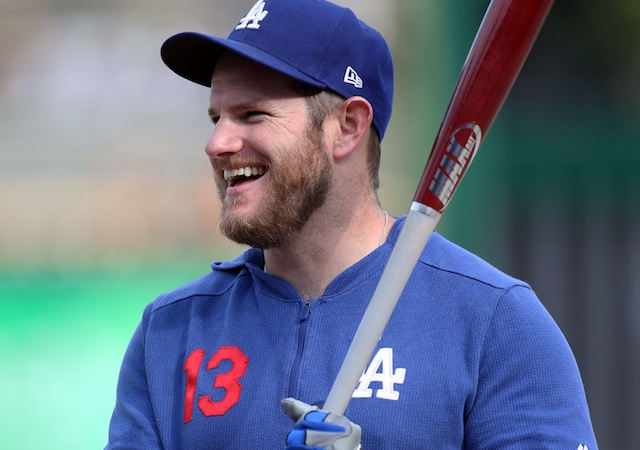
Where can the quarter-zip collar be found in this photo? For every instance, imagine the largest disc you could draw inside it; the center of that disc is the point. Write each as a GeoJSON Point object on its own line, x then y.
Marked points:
{"type": "Point", "coordinates": [275, 287]}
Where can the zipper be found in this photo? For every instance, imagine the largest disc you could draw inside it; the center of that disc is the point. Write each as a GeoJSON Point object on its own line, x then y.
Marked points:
{"type": "Point", "coordinates": [302, 336]}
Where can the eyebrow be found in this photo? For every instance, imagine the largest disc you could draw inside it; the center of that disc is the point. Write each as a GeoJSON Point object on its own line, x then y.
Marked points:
{"type": "Point", "coordinates": [245, 105]}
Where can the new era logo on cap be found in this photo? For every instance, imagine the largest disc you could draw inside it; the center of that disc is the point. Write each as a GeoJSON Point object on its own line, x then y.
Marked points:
{"type": "Point", "coordinates": [352, 77]}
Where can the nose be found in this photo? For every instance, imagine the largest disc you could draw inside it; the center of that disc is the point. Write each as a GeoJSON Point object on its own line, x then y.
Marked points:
{"type": "Point", "coordinates": [225, 139]}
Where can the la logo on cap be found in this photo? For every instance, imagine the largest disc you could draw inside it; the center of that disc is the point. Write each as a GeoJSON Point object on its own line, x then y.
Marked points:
{"type": "Point", "coordinates": [253, 17]}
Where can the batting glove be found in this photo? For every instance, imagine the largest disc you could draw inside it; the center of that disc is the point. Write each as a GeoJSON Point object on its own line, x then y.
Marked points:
{"type": "Point", "coordinates": [316, 429]}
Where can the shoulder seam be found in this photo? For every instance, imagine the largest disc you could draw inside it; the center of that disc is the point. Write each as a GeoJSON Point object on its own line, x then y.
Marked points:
{"type": "Point", "coordinates": [512, 282]}
{"type": "Point", "coordinates": [168, 302]}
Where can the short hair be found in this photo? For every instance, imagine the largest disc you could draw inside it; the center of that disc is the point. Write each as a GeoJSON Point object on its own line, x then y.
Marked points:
{"type": "Point", "coordinates": [320, 104]}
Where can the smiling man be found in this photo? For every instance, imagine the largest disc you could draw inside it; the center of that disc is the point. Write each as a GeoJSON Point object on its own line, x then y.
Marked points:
{"type": "Point", "coordinates": [264, 149]}
{"type": "Point", "coordinates": [300, 96]}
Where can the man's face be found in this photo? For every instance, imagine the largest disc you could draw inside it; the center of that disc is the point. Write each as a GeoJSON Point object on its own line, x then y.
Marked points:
{"type": "Point", "coordinates": [271, 167]}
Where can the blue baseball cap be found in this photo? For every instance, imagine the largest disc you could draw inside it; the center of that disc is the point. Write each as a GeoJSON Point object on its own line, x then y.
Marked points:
{"type": "Point", "coordinates": [313, 41]}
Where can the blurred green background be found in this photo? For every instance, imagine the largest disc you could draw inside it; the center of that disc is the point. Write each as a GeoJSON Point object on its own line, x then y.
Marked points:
{"type": "Point", "coordinates": [106, 199]}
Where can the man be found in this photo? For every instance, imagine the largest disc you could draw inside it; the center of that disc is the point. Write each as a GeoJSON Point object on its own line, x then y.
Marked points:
{"type": "Point", "coordinates": [300, 98]}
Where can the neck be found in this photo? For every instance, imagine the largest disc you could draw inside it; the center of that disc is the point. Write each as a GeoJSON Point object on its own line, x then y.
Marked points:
{"type": "Point", "coordinates": [326, 247]}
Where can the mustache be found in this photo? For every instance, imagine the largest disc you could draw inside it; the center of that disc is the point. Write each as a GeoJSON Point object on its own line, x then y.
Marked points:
{"type": "Point", "coordinates": [238, 160]}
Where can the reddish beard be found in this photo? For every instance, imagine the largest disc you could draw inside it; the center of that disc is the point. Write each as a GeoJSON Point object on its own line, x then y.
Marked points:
{"type": "Point", "coordinates": [298, 185]}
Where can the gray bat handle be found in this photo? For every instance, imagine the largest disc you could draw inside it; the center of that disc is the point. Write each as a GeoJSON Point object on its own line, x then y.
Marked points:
{"type": "Point", "coordinates": [416, 231]}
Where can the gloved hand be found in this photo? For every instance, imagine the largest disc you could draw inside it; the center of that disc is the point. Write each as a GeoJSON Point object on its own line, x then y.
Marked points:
{"type": "Point", "coordinates": [316, 429]}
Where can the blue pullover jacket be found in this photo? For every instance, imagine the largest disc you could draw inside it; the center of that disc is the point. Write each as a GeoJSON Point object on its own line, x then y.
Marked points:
{"type": "Point", "coordinates": [470, 359]}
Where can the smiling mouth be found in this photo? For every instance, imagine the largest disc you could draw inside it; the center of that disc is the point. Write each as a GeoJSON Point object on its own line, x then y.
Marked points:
{"type": "Point", "coordinates": [236, 176]}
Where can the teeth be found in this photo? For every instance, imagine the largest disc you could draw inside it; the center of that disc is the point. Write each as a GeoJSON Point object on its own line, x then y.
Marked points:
{"type": "Point", "coordinates": [246, 171]}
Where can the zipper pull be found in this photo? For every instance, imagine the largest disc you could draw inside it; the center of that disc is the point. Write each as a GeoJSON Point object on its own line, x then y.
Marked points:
{"type": "Point", "coordinates": [306, 310]}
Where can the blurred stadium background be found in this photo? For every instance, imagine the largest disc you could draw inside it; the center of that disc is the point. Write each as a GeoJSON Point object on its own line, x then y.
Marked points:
{"type": "Point", "coordinates": [106, 198]}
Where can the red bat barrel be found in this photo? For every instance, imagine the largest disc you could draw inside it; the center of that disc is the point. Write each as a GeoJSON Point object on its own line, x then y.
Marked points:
{"type": "Point", "coordinates": [503, 42]}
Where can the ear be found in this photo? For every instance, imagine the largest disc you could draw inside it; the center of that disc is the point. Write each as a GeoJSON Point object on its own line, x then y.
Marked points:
{"type": "Point", "coordinates": [355, 116]}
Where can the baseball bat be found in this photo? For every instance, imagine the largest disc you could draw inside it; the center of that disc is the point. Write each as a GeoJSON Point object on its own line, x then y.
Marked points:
{"type": "Point", "coordinates": [498, 52]}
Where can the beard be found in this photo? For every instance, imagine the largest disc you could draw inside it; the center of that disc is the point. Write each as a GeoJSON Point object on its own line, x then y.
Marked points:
{"type": "Point", "coordinates": [298, 185]}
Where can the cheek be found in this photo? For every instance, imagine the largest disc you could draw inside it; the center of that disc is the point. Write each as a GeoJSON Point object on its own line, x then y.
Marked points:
{"type": "Point", "coordinates": [218, 177]}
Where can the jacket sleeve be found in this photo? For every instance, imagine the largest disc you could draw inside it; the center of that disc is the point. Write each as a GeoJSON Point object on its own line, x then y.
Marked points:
{"type": "Point", "coordinates": [529, 392]}
{"type": "Point", "coordinates": [133, 424]}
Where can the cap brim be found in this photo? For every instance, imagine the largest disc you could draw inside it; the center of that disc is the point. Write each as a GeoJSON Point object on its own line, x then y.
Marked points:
{"type": "Point", "coordinates": [194, 56]}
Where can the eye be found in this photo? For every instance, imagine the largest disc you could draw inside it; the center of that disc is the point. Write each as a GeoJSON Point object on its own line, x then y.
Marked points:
{"type": "Point", "coordinates": [215, 119]}
{"type": "Point", "coordinates": [254, 114]}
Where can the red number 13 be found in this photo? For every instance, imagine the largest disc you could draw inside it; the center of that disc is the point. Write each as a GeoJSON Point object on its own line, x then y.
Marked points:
{"type": "Point", "coordinates": [227, 381]}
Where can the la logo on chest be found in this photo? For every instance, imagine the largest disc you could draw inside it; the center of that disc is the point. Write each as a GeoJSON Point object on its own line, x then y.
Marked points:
{"type": "Point", "coordinates": [380, 370]}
